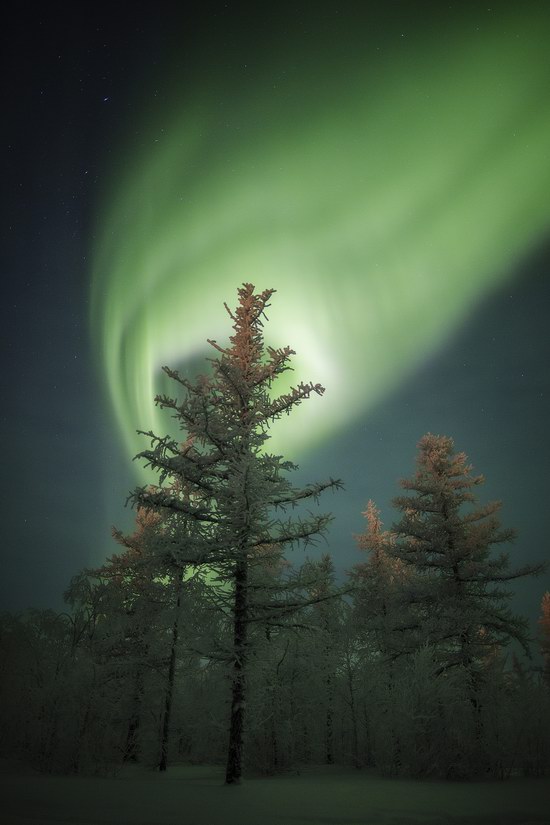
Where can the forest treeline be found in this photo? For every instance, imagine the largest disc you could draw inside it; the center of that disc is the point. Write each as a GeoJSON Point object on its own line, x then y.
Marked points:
{"type": "Point", "coordinates": [198, 641]}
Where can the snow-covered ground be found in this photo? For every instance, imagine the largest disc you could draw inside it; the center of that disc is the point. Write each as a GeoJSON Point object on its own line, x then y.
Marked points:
{"type": "Point", "coordinates": [192, 795]}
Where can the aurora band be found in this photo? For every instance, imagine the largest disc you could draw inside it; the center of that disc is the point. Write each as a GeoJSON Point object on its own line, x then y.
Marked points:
{"type": "Point", "coordinates": [383, 212]}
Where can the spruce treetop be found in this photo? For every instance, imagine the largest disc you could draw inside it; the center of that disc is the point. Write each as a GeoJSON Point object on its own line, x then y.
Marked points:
{"type": "Point", "coordinates": [458, 580]}
{"type": "Point", "coordinates": [221, 475]}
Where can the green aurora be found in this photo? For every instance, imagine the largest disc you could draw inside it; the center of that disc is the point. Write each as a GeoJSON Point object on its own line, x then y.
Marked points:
{"type": "Point", "coordinates": [383, 195]}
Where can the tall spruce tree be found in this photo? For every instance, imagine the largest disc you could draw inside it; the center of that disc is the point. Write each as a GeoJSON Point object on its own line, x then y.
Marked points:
{"type": "Point", "coordinates": [235, 487]}
{"type": "Point", "coordinates": [461, 598]}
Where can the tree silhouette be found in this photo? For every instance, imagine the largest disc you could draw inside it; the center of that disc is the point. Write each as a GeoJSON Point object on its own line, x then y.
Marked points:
{"type": "Point", "coordinates": [460, 597]}
{"type": "Point", "coordinates": [234, 487]}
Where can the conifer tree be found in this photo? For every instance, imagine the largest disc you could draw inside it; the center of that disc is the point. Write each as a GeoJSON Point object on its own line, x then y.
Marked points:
{"type": "Point", "coordinates": [151, 557]}
{"type": "Point", "coordinates": [132, 630]}
{"type": "Point", "coordinates": [325, 647]}
{"type": "Point", "coordinates": [234, 486]}
{"type": "Point", "coordinates": [460, 597]}
{"type": "Point", "coordinates": [382, 591]}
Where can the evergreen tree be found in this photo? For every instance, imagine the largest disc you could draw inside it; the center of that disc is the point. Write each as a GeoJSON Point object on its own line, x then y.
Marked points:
{"type": "Point", "coordinates": [156, 584]}
{"type": "Point", "coordinates": [388, 626]}
{"type": "Point", "coordinates": [382, 592]}
{"type": "Point", "coordinates": [234, 486]}
{"type": "Point", "coordinates": [461, 598]}
{"type": "Point", "coordinates": [159, 591]}
{"type": "Point", "coordinates": [324, 645]}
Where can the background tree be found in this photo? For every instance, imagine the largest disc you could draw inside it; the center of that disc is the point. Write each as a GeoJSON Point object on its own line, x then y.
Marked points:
{"type": "Point", "coordinates": [388, 628]}
{"type": "Point", "coordinates": [161, 587]}
{"type": "Point", "coordinates": [383, 588]}
{"type": "Point", "coordinates": [461, 597]}
{"type": "Point", "coordinates": [324, 647]}
{"type": "Point", "coordinates": [431, 611]}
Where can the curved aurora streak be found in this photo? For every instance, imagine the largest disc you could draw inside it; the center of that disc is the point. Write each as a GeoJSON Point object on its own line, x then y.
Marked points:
{"type": "Point", "coordinates": [381, 214]}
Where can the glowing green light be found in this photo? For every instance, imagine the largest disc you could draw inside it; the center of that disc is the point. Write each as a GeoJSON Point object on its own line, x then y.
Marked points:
{"type": "Point", "coordinates": [381, 214]}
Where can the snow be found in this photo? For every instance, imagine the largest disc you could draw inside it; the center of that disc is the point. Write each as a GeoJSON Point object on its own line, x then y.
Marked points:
{"type": "Point", "coordinates": [195, 795]}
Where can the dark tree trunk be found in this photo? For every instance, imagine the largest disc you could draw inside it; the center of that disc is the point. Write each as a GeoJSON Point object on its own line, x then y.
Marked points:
{"type": "Point", "coordinates": [368, 748]}
{"type": "Point", "coordinates": [305, 754]}
{"type": "Point", "coordinates": [238, 687]}
{"type": "Point", "coordinates": [292, 739]}
{"type": "Point", "coordinates": [131, 749]}
{"type": "Point", "coordinates": [50, 738]}
{"type": "Point", "coordinates": [353, 712]}
{"type": "Point", "coordinates": [163, 763]}
{"type": "Point", "coordinates": [329, 726]}
{"type": "Point", "coordinates": [274, 743]}
{"type": "Point", "coordinates": [81, 734]}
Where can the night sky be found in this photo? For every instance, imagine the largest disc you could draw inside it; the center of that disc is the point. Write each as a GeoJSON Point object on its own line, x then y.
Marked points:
{"type": "Point", "coordinates": [386, 169]}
